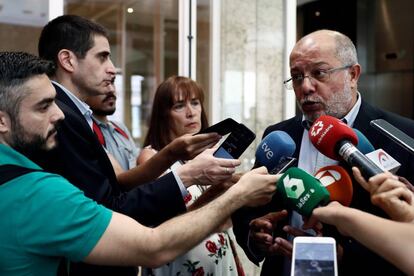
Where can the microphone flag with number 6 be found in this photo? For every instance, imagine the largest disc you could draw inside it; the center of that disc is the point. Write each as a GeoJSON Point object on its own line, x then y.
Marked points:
{"type": "Point", "coordinates": [301, 191]}
{"type": "Point", "coordinates": [338, 182]}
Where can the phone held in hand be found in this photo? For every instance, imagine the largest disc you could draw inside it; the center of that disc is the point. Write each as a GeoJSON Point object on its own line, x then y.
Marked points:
{"type": "Point", "coordinates": [236, 143]}
{"type": "Point", "coordinates": [224, 127]}
{"type": "Point", "coordinates": [238, 139]}
{"type": "Point", "coordinates": [314, 256]}
{"type": "Point", "coordinates": [284, 165]}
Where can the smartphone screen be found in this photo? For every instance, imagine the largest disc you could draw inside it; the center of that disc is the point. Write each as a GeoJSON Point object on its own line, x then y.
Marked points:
{"type": "Point", "coordinates": [222, 153]}
{"type": "Point", "coordinates": [235, 143]}
{"type": "Point", "coordinates": [314, 256]}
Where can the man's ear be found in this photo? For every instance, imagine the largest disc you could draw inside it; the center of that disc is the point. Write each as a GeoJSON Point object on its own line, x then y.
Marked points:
{"type": "Point", "coordinates": [5, 123]}
{"type": "Point", "coordinates": [66, 59]}
{"type": "Point", "coordinates": [355, 73]}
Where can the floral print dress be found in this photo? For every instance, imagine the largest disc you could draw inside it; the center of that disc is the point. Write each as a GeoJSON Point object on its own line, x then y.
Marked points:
{"type": "Point", "coordinates": [212, 257]}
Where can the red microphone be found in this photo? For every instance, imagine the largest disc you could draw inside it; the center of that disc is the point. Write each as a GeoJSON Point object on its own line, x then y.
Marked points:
{"type": "Point", "coordinates": [338, 182]}
{"type": "Point", "coordinates": [327, 131]}
{"type": "Point", "coordinates": [336, 140]}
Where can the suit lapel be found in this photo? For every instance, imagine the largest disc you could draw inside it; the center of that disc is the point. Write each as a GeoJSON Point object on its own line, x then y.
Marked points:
{"type": "Point", "coordinates": [362, 122]}
{"type": "Point", "coordinates": [296, 132]}
{"type": "Point", "coordinates": [76, 123]}
{"type": "Point", "coordinates": [70, 109]}
{"type": "Point", "coordinates": [75, 120]}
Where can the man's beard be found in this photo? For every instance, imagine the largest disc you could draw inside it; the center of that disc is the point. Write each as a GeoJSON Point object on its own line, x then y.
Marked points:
{"type": "Point", "coordinates": [32, 148]}
{"type": "Point", "coordinates": [106, 112]}
{"type": "Point", "coordinates": [101, 112]}
{"type": "Point", "coordinates": [336, 106]}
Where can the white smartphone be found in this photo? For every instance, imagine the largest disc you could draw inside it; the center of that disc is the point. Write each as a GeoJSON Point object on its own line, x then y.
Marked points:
{"type": "Point", "coordinates": [314, 256]}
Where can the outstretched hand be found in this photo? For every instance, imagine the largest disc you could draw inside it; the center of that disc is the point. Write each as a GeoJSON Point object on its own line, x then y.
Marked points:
{"type": "Point", "coordinates": [390, 194]}
{"type": "Point", "coordinates": [257, 187]}
{"type": "Point", "coordinates": [261, 232]}
{"type": "Point", "coordinates": [329, 214]}
{"type": "Point", "coordinates": [206, 169]}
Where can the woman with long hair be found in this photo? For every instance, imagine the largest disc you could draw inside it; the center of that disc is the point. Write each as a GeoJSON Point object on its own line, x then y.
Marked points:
{"type": "Point", "coordinates": [178, 110]}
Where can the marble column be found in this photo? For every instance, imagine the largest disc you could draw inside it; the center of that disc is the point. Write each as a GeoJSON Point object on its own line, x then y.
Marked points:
{"type": "Point", "coordinates": [252, 48]}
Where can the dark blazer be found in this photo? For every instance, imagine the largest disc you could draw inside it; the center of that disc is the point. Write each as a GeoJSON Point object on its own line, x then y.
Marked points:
{"type": "Point", "coordinates": [357, 259]}
{"type": "Point", "coordinates": [81, 159]}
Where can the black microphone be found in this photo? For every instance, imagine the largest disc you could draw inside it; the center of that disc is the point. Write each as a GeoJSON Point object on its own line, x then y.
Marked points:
{"type": "Point", "coordinates": [394, 134]}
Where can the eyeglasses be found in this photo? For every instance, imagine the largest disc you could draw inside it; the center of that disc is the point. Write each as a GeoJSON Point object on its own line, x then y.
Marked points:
{"type": "Point", "coordinates": [315, 74]}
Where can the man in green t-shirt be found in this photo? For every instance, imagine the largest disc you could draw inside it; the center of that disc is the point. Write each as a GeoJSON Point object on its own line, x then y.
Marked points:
{"type": "Point", "coordinates": [45, 218]}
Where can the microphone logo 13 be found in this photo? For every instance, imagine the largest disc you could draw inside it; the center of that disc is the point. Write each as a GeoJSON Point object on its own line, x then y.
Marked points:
{"type": "Point", "coordinates": [316, 128]}
{"type": "Point", "coordinates": [294, 187]}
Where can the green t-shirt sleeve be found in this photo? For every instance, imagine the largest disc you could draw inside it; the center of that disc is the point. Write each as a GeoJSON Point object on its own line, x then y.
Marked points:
{"type": "Point", "coordinates": [57, 219]}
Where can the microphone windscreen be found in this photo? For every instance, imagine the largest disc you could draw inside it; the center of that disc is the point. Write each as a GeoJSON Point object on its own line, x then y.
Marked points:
{"type": "Point", "coordinates": [301, 191]}
{"type": "Point", "coordinates": [338, 182]}
{"type": "Point", "coordinates": [327, 131]}
{"type": "Point", "coordinates": [274, 149]}
{"type": "Point", "coordinates": [364, 145]}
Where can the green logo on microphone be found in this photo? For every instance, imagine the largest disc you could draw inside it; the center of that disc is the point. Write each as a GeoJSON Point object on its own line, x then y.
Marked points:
{"type": "Point", "coordinates": [301, 192]}
{"type": "Point", "coordinates": [294, 187]}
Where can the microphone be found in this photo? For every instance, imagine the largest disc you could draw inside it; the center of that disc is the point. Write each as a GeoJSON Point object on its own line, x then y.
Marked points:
{"type": "Point", "coordinates": [275, 151]}
{"type": "Point", "coordinates": [338, 183]}
{"type": "Point", "coordinates": [380, 157]}
{"type": "Point", "coordinates": [301, 192]}
{"type": "Point", "coordinates": [336, 140]}
{"type": "Point", "coordinates": [394, 134]}
{"type": "Point", "coordinates": [364, 145]}
{"type": "Point", "coordinates": [383, 160]}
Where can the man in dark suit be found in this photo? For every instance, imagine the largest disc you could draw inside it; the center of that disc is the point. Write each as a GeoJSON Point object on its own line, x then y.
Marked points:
{"type": "Point", "coordinates": [325, 72]}
{"type": "Point", "coordinates": [80, 51]}
{"type": "Point", "coordinates": [45, 218]}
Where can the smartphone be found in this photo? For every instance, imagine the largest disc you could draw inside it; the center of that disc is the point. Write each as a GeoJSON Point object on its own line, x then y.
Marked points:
{"type": "Point", "coordinates": [236, 143]}
{"type": "Point", "coordinates": [224, 127]}
{"type": "Point", "coordinates": [314, 256]}
{"type": "Point", "coordinates": [285, 164]}
{"type": "Point", "coordinates": [394, 134]}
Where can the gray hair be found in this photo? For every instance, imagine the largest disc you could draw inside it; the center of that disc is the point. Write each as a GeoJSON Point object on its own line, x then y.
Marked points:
{"type": "Point", "coordinates": [345, 49]}
{"type": "Point", "coordinates": [16, 68]}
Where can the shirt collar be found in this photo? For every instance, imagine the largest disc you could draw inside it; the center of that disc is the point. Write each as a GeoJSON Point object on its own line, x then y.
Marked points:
{"type": "Point", "coordinates": [352, 114]}
{"type": "Point", "coordinates": [81, 105]}
{"type": "Point", "coordinates": [107, 125]}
